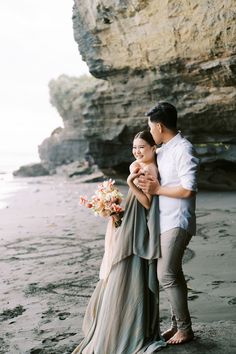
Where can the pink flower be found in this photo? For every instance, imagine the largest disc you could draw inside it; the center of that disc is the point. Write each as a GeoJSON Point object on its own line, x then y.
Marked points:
{"type": "Point", "coordinates": [116, 208]}
{"type": "Point", "coordinates": [83, 200]}
{"type": "Point", "coordinates": [105, 202]}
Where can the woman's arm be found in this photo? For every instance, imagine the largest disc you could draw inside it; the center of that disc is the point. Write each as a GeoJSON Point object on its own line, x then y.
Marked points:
{"type": "Point", "coordinates": [144, 198]}
{"type": "Point", "coordinates": [135, 166]}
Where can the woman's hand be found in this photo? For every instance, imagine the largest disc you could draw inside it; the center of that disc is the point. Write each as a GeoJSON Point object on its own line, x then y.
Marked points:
{"type": "Point", "coordinates": [117, 218]}
{"type": "Point", "coordinates": [133, 175]}
{"type": "Point", "coordinates": [132, 179]}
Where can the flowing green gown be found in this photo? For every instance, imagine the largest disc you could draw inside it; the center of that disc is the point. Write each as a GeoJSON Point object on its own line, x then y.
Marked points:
{"type": "Point", "coordinates": [122, 316]}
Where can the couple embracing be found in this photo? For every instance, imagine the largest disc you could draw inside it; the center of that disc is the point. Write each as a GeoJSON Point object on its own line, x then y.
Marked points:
{"type": "Point", "coordinates": [122, 316]}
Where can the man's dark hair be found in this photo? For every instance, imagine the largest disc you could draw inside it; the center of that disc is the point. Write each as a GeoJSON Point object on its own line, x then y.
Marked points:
{"type": "Point", "coordinates": [164, 113]}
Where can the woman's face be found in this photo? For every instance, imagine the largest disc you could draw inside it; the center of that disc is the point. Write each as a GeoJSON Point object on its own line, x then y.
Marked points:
{"type": "Point", "coordinates": [142, 151]}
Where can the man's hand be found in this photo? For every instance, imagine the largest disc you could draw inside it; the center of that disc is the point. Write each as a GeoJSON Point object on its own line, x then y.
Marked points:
{"type": "Point", "coordinates": [149, 184]}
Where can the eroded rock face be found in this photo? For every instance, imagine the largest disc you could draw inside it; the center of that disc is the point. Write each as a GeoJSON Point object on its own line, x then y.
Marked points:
{"type": "Point", "coordinates": [73, 98]}
{"type": "Point", "coordinates": [118, 35]}
{"type": "Point", "coordinates": [144, 51]}
{"type": "Point", "coordinates": [182, 52]}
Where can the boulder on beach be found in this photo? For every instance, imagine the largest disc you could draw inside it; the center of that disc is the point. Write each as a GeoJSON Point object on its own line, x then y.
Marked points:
{"type": "Point", "coordinates": [31, 170]}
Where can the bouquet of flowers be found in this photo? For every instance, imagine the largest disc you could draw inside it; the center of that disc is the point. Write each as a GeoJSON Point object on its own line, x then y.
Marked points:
{"type": "Point", "coordinates": [106, 202]}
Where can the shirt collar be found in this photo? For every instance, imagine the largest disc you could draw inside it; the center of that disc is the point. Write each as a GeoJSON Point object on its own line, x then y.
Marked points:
{"type": "Point", "coordinates": [172, 142]}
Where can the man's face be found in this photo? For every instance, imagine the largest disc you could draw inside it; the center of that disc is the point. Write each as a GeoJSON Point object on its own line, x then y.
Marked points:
{"type": "Point", "coordinates": [156, 131]}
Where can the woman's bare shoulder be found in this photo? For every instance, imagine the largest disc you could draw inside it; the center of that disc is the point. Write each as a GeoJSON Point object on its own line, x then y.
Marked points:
{"type": "Point", "coordinates": [152, 169]}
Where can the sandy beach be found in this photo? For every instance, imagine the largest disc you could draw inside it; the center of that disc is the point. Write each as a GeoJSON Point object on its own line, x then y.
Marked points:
{"type": "Point", "coordinates": [51, 249]}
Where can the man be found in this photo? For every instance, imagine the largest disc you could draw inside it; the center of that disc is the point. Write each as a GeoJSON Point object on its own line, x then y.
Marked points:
{"type": "Point", "coordinates": [177, 166]}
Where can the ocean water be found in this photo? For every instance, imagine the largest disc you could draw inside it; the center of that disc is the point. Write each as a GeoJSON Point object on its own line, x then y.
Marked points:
{"type": "Point", "coordinates": [9, 184]}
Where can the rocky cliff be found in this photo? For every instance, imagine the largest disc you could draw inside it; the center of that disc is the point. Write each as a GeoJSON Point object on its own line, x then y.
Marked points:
{"type": "Point", "coordinates": [142, 51]}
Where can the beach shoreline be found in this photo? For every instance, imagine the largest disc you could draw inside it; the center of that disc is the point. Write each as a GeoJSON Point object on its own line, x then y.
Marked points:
{"type": "Point", "coordinates": [51, 252]}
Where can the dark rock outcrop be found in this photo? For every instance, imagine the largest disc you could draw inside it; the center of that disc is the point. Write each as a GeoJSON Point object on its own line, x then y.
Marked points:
{"type": "Point", "coordinates": [31, 170]}
{"type": "Point", "coordinates": [140, 52]}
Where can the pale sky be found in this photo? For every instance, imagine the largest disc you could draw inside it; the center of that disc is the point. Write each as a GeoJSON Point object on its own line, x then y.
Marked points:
{"type": "Point", "coordinates": [37, 45]}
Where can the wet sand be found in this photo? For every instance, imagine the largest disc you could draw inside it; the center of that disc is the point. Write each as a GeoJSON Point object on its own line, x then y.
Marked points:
{"type": "Point", "coordinates": [51, 250]}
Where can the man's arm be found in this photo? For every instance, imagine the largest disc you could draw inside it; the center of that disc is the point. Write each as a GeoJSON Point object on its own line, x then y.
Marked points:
{"type": "Point", "coordinates": [150, 185]}
{"type": "Point", "coordinates": [187, 168]}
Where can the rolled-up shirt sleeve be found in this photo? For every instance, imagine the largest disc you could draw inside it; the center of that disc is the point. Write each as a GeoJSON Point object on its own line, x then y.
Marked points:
{"type": "Point", "coordinates": [187, 168]}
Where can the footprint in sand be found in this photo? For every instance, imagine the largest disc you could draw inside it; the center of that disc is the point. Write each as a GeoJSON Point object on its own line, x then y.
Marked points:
{"type": "Point", "coordinates": [11, 313]}
{"type": "Point", "coordinates": [36, 351]}
{"type": "Point", "coordinates": [63, 315]}
{"type": "Point", "coordinates": [232, 301]}
{"type": "Point", "coordinates": [58, 338]}
{"type": "Point", "coordinates": [217, 282]}
{"type": "Point", "coordinates": [221, 231]}
{"type": "Point", "coordinates": [192, 297]}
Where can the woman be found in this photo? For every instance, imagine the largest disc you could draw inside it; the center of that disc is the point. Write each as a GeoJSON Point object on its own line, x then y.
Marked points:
{"type": "Point", "coordinates": [122, 316]}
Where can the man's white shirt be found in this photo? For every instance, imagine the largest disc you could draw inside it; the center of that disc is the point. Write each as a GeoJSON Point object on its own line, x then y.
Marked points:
{"type": "Point", "coordinates": [177, 166]}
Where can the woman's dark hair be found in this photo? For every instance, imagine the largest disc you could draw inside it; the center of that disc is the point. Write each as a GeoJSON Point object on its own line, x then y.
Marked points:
{"type": "Point", "coordinates": [164, 113]}
{"type": "Point", "coordinates": [147, 136]}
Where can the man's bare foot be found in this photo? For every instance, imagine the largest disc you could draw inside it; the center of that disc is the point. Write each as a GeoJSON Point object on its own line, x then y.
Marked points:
{"type": "Point", "coordinates": [181, 337]}
{"type": "Point", "coordinates": [169, 333]}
